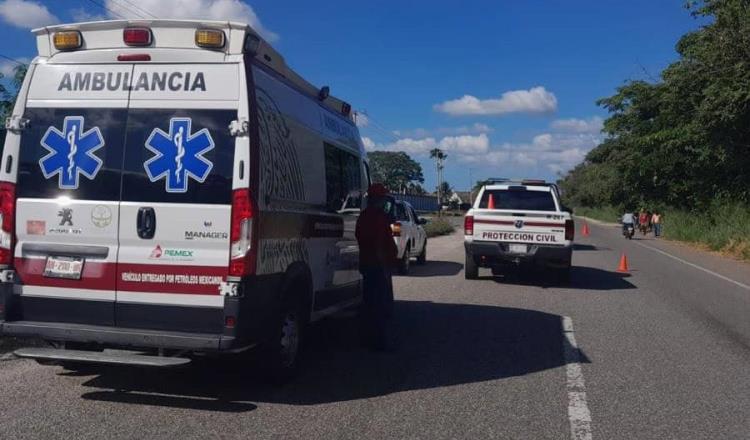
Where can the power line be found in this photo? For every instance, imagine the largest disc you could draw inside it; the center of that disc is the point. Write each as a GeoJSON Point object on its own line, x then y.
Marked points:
{"type": "Point", "coordinates": [96, 3]}
{"type": "Point", "coordinates": [21, 63]}
{"type": "Point", "coordinates": [137, 8]}
{"type": "Point", "coordinates": [379, 127]}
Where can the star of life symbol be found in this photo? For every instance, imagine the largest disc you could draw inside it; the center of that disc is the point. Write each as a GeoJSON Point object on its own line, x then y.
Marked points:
{"type": "Point", "coordinates": [71, 152]}
{"type": "Point", "coordinates": [178, 155]}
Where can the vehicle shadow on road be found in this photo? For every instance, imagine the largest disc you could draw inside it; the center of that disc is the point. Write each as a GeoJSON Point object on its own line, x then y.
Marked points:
{"type": "Point", "coordinates": [586, 247]}
{"type": "Point", "coordinates": [435, 269]}
{"type": "Point", "coordinates": [581, 277]}
{"type": "Point", "coordinates": [439, 345]}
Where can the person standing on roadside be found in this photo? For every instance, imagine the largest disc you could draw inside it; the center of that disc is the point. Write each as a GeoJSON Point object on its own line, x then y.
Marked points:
{"type": "Point", "coordinates": [643, 221]}
{"type": "Point", "coordinates": [656, 222]}
{"type": "Point", "coordinates": [377, 256]}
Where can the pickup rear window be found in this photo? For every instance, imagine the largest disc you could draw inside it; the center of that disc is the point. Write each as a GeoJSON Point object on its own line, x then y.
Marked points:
{"type": "Point", "coordinates": [519, 199]}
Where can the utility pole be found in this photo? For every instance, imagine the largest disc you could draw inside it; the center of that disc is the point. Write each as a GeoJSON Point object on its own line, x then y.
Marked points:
{"type": "Point", "coordinates": [439, 156]}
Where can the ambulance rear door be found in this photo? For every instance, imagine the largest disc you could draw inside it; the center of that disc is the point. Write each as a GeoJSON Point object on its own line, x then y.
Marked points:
{"type": "Point", "coordinates": [68, 192]}
{"type": "Point", "coordinates": [176, 197]}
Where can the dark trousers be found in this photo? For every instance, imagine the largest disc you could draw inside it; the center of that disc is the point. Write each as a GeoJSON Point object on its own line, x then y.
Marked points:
{"type": "Point", "coordinates": [377, 305]}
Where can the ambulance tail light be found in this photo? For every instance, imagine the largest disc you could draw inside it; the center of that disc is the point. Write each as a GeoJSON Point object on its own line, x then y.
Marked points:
{"type": "Point", "coordinates": [242, 249]}
{"type": "Point", "coordinates": [137, 36]}
{"type": "Point", "coordinates": [570, 230]}
{"type": "Point", "coordinates": [469, 225]}
{"type": "Point", "coordinates": [210, 38]}
{"type": "Point", "coordinates": [67, 40]}
{"type": "Point", "coordinates": [396, 229]}
{"type": "Point", "coordinates": [7, 222]}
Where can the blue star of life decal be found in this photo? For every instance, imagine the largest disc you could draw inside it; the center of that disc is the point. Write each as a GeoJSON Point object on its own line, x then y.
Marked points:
{"type": "Point", "coordinates": [71, 152]}
{"type": "Point", "coordinates": [178, 155]}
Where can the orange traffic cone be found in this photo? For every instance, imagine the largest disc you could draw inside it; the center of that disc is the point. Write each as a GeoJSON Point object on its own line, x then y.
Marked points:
{"type": "Point", "coordinates": [585, 230]}
{"type": "Point", "coordinates": [623, 268]}
{"type": "Point", "coordinates": [491, 203]}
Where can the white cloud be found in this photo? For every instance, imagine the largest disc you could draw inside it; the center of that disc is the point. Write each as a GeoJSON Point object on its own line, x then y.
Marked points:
{"type": "Point", "coordinates": [234, 10]}
{"type": "Point", "coordinates": [7, 67]}
{"type": "Point", "coordinates": [362, 119]}
{"type": "Point", "coordinates": [535, 100]}
{"type": "Point", "coordinates": [83, 14]}
{"type": "Point", "coordinates": [465, 144]}
{"type": "Point", "coordinates": [417, 133]}
{"type": "Point", "coordinates": [461, 145]}
{"type": "Point", "coordinates": [368, 143]}
{"type": "Point", "coordinates": [26, 14]}
{"type": "Point", "coordinates": [574, 125]}
{"type": "Point", "coordinates": [556, 152]}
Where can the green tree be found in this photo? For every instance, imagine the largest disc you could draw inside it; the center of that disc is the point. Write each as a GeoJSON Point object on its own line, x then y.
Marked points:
{"type": "Point", "coordinates": [8, 96]}
{"type": "Point", "coordinates": [396, 170]}
{"type": "Point", "coordinates": [684, 140]}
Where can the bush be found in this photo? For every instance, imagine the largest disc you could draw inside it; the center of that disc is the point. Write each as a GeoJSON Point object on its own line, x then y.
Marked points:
{"type": "Point", "coordinates": [438, 226]}
{"type": "Point", "coordinates": [723, 227]}
{"type": "Point", "coordinates": [605, 213]}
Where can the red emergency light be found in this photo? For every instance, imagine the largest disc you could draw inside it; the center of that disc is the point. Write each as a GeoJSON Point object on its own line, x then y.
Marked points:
{"type": "Point", "coordinates": [137, 36]}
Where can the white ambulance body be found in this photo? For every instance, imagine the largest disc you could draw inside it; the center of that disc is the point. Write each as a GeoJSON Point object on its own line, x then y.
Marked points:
{"type": "Point", "coordinates": [173, 185]}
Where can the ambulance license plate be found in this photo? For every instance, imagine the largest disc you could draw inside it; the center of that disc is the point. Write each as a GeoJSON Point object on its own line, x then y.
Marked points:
{"type": "Point", "coordinates": [69, 268]}
{"type": "Point", "coordinates": [518, 248]}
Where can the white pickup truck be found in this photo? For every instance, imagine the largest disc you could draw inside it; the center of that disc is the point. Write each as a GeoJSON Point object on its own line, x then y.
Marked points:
{"type": "Point", "coordinates": [516, 222]}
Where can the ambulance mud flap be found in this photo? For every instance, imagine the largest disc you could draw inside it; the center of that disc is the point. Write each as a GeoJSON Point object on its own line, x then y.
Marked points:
{"type": "Point", "coordinates": [106, 357]}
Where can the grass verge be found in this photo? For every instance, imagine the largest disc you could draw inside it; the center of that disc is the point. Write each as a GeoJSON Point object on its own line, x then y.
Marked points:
{"type": "Point", "coordinates": [437, 227]}
{"type": "Point", "coordinates": [724, 228]}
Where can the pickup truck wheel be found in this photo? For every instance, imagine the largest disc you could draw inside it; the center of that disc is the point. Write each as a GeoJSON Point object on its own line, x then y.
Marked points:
{"type": "Point", "coordinates": [471, 270]}
{"type": "Point", "coordinates": [422, 258]}
{"type": "Point", "coordinates": [405, 262]}
{"type": "Point", "coordinates": [281, 353]}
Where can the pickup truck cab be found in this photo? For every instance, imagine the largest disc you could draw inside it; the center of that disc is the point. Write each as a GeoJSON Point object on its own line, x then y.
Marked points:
{"type": "Point", "coordinates": [517, 222]}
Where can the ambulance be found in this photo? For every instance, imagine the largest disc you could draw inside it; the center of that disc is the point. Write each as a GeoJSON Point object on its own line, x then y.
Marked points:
{"type": "Point", "coordinates": [170, 188]}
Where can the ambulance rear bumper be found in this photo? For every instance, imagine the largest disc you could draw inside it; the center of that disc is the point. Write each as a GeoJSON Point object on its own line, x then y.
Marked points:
{"type": "Point", "coordinates": [116, 336]}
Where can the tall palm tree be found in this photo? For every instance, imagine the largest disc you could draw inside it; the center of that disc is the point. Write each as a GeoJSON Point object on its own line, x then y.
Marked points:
{"type": "Point", "coordinates": [439, 156]}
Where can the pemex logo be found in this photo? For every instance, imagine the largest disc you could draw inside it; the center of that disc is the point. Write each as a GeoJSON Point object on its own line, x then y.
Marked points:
{"type": "Point", "coordinates": [157, 252]}
{"type": "Point", "coordinates": [178, 155]}
{"type": "Point", "coordinates": [71, 152]}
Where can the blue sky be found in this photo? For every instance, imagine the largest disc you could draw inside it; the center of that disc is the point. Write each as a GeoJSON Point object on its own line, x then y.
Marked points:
{"type": "Point", "coordinates": [507, 88]}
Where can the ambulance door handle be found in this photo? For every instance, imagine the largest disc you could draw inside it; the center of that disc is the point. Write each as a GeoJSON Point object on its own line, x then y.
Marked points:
{"type": "Point", "coordinates": [146, 220]}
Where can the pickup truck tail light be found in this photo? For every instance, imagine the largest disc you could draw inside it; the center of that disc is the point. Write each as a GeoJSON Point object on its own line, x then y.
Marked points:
{"type": "Point", "coordinates": [570, 230]}
{"type": "Point", "coordinates": [469, 225]}
{"type": "Point", "coordinates": [396, 229]}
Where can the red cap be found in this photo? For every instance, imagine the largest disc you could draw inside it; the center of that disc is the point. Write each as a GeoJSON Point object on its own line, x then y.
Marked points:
{"type": "Point", "coordinates": [377, 190]}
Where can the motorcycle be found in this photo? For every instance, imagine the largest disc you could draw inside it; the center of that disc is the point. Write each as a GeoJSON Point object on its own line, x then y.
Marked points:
{"type": "Point", "coordinates": [628, 231]}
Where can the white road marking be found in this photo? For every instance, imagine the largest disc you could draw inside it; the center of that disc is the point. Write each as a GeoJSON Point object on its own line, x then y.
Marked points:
{"type": "Point", "coordinates": [578, 410]}
{"type": "Point", "coordinates": [693, 265]}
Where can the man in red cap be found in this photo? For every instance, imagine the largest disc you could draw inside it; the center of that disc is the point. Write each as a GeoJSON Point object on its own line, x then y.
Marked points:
{"type": "Point", "coordinates": [377, 255]}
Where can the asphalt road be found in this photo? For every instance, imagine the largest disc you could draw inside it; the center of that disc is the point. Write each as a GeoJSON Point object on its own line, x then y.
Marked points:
{"type": "Point", "coordinates": [663, 353]}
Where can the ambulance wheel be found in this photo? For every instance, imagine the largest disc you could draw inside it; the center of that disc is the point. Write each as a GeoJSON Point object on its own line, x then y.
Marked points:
{"type": "Point", "coordinates": [422, 258]}
{"type": "Point", "coordinates": [281, 354]}
{"type": "Point", "coordinates": [471, 270]}
{"type": "Point", "coordinates": [405, 263]}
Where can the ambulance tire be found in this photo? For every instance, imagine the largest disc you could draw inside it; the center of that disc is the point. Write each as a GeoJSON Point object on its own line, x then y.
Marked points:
{"type": "Point", "coordinates": [281, 354]}
{"type": "Point", "coordinates": [471, 270]}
